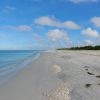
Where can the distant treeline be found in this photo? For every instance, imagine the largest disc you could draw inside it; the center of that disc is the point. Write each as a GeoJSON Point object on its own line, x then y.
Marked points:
{"type": "Point", "coordinates": [82, 48]}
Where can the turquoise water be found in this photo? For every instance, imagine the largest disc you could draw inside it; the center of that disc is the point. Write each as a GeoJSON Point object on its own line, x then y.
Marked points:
{"type": "Point", "coordinates": [12, 61]}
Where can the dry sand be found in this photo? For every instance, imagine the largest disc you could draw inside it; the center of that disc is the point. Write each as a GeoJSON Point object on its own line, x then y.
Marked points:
{"type": "Point", "coordinates": [76, 76]}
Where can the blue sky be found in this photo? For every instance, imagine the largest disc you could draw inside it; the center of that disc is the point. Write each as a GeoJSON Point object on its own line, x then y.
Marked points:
{"type": "Point", "coordinates": [40, 24]}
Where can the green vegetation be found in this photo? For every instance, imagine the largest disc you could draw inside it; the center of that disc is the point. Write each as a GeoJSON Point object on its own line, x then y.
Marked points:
{"type": "Point", "coordinates": [82, 48]}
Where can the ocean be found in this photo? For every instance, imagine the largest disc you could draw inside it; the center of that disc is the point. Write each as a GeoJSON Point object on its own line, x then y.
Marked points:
{"type": "Point", "coordinates": [12, 61]}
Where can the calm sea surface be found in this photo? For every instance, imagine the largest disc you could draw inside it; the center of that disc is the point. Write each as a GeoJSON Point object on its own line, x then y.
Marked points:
{"type": "Point", "coordinates": [12, 61]}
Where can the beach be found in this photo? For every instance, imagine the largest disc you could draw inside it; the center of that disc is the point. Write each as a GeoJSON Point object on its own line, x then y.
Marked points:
{"type": "Point", "coordinates": [57, 75]}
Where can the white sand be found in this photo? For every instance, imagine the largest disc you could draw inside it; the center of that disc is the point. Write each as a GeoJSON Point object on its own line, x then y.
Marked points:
{"type": "Point", "coordinates": [35, 82]}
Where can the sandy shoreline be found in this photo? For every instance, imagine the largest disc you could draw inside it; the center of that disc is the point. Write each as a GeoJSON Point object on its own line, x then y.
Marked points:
{"type": "Point", "coordinates": [80, 71]}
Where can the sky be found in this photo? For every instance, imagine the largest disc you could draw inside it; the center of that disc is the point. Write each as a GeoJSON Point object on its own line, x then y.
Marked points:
{"type": "Point", "coordinates": [46, 24]}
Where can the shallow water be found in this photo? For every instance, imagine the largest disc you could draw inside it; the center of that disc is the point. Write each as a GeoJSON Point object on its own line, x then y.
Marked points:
{"type": "Point", "coordinates": [12, 61]}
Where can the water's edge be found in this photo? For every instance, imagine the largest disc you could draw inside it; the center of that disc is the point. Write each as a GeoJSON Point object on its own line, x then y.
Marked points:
{"type": "Point", "coordinates": [20, 67]}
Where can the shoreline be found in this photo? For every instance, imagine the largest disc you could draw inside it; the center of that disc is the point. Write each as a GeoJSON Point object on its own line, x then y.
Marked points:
{"type": "Point", "coordinates": [78, 70]}
{"type": "Point", "coordinates": [20, 67]}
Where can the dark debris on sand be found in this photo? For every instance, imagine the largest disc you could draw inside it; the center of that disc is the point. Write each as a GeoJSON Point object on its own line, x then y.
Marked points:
{"type": "Point", "coordinates": [90, 73]}
{"type": "Point", "coordinates": [87, 85]}
{"type": "Point", "coordinates": [98, 76]}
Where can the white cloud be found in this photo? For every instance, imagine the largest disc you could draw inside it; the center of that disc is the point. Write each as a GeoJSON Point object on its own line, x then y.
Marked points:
{"type": "Point", "coordinates": [50, 21]}
{"type": "Point", "coordinates": [71, 25]}
{"type": "Point", "coordinates": [47, 21]}
{"type": "Point", "coordinates": [96, 21]}
{"type": "Point", "coordinates": [90, 32]}
{"type": "Point", "coordinates": [23, 28]}
{"type": "Point", "coordinates": [57, 34]}
{"type": "Point", "coordinates": [82, 1]}
{"type": "Point", "coordinates": [88, 42]}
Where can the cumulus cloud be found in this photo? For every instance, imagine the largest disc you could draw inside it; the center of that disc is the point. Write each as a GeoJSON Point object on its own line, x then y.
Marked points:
{"type": "Point", "coordinates": [90, 32]}
{"type": "Point", "coordinates": [50, 21]}
{"type": "Point", "coordinates": [71, 25]}
{"type": "Point", "coordinates": [57, 34]}
{"type": "Point", "coordinates": [23, 28]}
{"type": "Point", "coordinates": [47, 21]}
{"type": "Point", "coordinates": [96, 21]}
{"type": "Point", "coordinates": [82, 1]}
{"type": "Point", "coordinates": [88, 42]}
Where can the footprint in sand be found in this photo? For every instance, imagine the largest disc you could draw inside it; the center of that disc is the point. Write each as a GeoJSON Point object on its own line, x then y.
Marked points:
{"type": "Point", "coordinates": [87, 85]}
{"type": "Point", "coordinates": [90, 73]}
{"type": "Point", "coordinates": [98, 76]}
{"type": "Point", "coordinates": [87, 69]}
